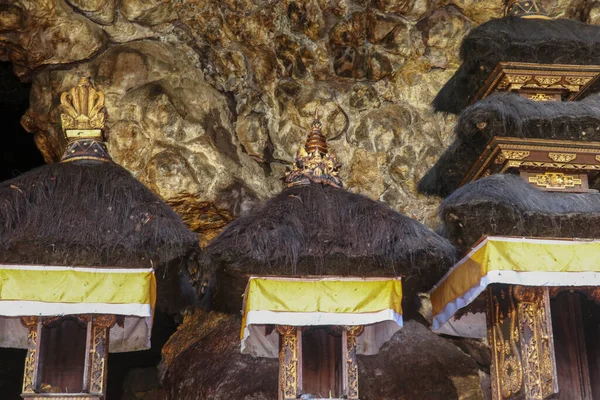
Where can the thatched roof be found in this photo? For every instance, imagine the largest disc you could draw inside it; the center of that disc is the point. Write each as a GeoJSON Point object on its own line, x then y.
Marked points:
{"type": "Point", "coordinates": [319, 229]}
{"type": "Point", "coordinates": [88, 213]}
{"type": "Point", "coordinates": [508, 115]}
{"type": "Point", "coordinates": [514, 39]}
{"type": "Point", "coordinates": [505, 204]}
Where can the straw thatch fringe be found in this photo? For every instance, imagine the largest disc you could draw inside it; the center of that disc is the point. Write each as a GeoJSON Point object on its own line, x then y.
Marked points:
{"type": "Point", "coordinates": [319, 229]}
{"type": "Point", "coordinates": [507, 205]}
{"type": "Point", "coordinates": [87, 213]}
{"type": "Point", "coordinates": [560, 41]}
{"type": "Point", "coordinates": [513, 116]}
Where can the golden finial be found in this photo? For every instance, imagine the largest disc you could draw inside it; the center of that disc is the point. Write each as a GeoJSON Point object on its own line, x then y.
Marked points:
{"type": "Point", "coordinates": [314, 164]}
{"type": "Point", "coordinates": [525, 9]}
{"type": "Point", "coordinates": [316, 140]}
{"type": "Point", "coordinates": [83, 111]}
{"type": "Point", "coordinates": [82, 122]}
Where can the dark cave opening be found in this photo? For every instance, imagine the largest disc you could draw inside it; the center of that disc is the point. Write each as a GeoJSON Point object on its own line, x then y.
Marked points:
{"type": "Point", "coordinates": [18, 152]}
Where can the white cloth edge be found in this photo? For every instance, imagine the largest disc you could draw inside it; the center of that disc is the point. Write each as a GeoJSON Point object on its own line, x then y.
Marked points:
{"type": "Point", "coordinates": [106, 270]}
{"type": "Point", "coordinates": [20, 308]}
{"type": "Point", "coordinates": [511, 240]}
{"type": "Point", "coordinates": [135, 335]}
{"type": "Point", "coordinates": [528, 278]}
{"type": "Point", "coordinates": [264, 317]}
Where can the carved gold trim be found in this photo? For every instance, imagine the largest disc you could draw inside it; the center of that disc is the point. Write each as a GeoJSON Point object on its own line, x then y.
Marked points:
{"type": "Point", "coordinates": [99, 352]}
{"type": "Point", "coordinates": [541, 97]}
{"type": "Point", "coordinates": [544, 79]}
{"type": "Point", "coordinates": [539, 164]}
{"type": "Point", "coordinates": [536, 341]}
{"type": "Point", "coordinates": [288, 361]}
{"type": "Point", "coordinates": [511, 155]}
{"type": "Point", "coordinates": [555, 180]}
{"type": "Point", "coordinates": [351, 364]}
{"type": "Point", "coordinates": [30, 372]}
{"type": "Point", "coordinates": [562, 157]}
{"type": "Point", "coordinates": [508, 367]}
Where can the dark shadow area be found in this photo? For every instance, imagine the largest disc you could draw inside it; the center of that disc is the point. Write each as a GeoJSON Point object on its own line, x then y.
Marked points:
{"type": "Point", "coordinates": [12, 363]}
{"type": "Point", "coordinates": [134, 371]}
{"type": "Point", "coordinates": [18, 152]}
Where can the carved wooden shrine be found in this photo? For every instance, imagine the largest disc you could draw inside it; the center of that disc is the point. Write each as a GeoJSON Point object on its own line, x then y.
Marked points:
{"type": "Point", "coordinates": [550, 165]}
{"type": "Point", "coordinates": [308, 327]}
{"type": "Point", "coordinates": [66, 355]}
{"type": "Point", "coordinates": [328, 366]}
{"type": "Point", "coordinates": [538, 303]}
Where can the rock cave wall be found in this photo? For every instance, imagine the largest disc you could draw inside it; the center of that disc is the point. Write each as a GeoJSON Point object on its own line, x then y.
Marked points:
{"type": "Point", "coordinates": [208, 100]}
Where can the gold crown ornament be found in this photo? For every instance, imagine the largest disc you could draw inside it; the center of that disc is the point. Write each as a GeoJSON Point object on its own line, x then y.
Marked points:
{"type": "Point", "coordinates": [314, 163]}
{"type": "Point", "coordinates": [82, 122]}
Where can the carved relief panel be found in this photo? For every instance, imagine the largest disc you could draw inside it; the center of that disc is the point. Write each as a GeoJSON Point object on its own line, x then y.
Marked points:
{"type": "Point", "coordinates": [520, 337]}
{"type": "Point", "coordinates": [297, 372]}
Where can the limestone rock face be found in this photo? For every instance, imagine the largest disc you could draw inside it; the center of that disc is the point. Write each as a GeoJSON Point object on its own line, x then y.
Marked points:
{"type": "Point", "coordinates": [209, 100]}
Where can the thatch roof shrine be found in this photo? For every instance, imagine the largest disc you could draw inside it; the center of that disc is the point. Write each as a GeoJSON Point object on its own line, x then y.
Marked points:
{"type": "Point", "coordinates": [509, 115]}
{"type": "Point", "coordinates": [524, 38]}
{"type": "Point", "coordinates": [315, 227]}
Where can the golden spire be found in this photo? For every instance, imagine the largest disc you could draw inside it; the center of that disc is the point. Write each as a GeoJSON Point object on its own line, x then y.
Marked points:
{"type": "Point", "coordinates": [314, 164]}
{"type": "Point", "coordinates": [316, 140]}
{"type": "Point", "coordinates": [525, 9]}
{"type": "Point", "coordinates": [82, 121]}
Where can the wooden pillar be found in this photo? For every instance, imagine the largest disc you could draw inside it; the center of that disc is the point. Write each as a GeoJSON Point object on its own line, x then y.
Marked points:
{"type": "Point", "coordinates": [350, 365]}
{"type": "Point", "coordinates": [289, 364]}
{"type": "Point", "coordinates": [520, 338]}
{"type": "Point", "coordinates": [30, 376]}
{"type": "Point", "coordinates": [96, 357]}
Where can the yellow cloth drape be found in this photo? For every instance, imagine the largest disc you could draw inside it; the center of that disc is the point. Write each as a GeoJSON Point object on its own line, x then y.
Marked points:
{"type": "Point", "coordinates": [322, 295]}
{"type": "Point", "coordinates": [77, 285]}
{"type": "Point", "coordinates": [533, 259]}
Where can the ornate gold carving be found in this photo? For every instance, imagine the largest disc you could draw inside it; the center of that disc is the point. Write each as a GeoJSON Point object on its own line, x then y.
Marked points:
{"type": "Point", "coordinates": [509, 367]}
{"type": "Point", "coordinates": [518, 79]}
{"type": "Point", "coordinates": [548, 80]}
{"type": "Point", "coordinates": [536, 341]}
{"type": "Point", "coordinates": [29, 321]}
{"type": "Point", "coordinates": [541, 97]}
{"type": "Point", "coordinates": [562, 157]}
{"type": "Point", "coordinates": [578, 81]}
{"type": "Point", "coordinates": [288, 361]}
{"type": "Point", "coordinates": [554, 180]}
{"type": "Point", "coordinates": [539, 164]}
{"type": "Point", "coordinates": [351, 365]}
{"type": "Point", "coordinates": [83, 107]}
{"type": "Point", "coordinates": [30, 373]}
{"type": "Point", "coordinates": [510, 155]}
{"type": "Point", "coordinates": [522, 365]}
{"type": "Point", "coordinates": [545, 80]}
{"type": "Point", "coordinates": [105, 321]}
{"type": "Point", "coordinates": [99, 352]}
{"type": "Point", "coordinates": [597, 158]}
{"type": "Point", "coordinates": [313, 161]}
